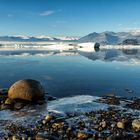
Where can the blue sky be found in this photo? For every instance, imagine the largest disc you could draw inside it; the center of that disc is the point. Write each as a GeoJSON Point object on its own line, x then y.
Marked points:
{"type": "Point", "coordinates": [67, 17]}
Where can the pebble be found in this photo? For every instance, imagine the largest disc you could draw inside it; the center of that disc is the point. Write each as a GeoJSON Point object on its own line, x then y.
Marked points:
{"type": "Point", "coordinates": [6, 106]}
{"type": "Point", "coordinates": [103, 124]}
{"type": "Point", "coordinates": [47, 119]}
{"type": "Point", "coordinates": [57, 125]}
{"type": "Point", "coordinates": [9, 101]}
{"type": "Point", "coordinates": [82, 135]}
{"type": "Point", "coordinates": [121, 125]}
{"type": "Point", "coordinates": [18, 105]}
{"type": "Point", "coordinates": [40, 136]}
{"type": "Point", "coordinates": [136, 124]}
{"type": "Point", "coordinates": [15, 138]}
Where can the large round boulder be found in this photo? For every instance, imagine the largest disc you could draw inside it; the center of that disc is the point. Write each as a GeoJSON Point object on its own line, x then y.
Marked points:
{"type": "Point", "coordinates": [27, 89]}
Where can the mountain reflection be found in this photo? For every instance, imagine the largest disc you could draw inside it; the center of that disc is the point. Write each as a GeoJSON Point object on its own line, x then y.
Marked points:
{"type": "Point", "coordinates": [104, 54]}
{"type": "Point", "coordinates": [124, 55]}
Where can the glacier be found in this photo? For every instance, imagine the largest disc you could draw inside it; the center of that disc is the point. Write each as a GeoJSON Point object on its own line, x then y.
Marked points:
{"type": "Point", "coordinates": [122, 53]}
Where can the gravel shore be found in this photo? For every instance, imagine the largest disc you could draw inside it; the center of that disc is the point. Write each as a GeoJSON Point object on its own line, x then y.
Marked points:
{"type": "Point", "coordinates": [117, 118]}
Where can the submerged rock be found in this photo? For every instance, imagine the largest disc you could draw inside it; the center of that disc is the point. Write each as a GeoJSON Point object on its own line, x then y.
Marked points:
{"type": "Point", "coordinates": [26, 90]}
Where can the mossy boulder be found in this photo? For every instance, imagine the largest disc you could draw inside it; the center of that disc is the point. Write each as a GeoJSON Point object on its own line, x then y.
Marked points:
{"type": "Point", "coordinates": [28, 89]}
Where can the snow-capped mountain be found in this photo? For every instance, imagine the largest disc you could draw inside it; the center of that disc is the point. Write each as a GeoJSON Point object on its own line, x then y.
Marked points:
{"type": "Point", "coordinates": [36, 38]}
{"type": "Point", "coordinates": [67, 38]}
{"type": "Point", "coordinates": [111, 38]}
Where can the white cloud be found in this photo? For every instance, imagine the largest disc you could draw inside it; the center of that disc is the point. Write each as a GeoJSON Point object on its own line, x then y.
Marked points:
{"type": "Point", "coordinates": [47, 13]}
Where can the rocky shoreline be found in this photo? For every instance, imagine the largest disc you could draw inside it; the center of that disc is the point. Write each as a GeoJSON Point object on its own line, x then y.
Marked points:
{"type": "Point", "coordinates": [119, 121]}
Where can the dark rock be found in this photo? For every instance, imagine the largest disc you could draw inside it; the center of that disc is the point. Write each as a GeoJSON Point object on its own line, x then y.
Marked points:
{"type": "Point", "coordinates": [18, 105]}
{"type": "Point", "coordinates": [50, 98]}
{"type": "Point", "coordinates": [134, 105]}
{"type": "Point", "coordinates": [6, 106]}
{"type": "Point", "coordinates": [130, 42]}
{"type": "Point", "coordinates": [40, 136]}
{"type": "Point", "coordinates": [4, 91]}
{"type": "Point", "coordinates": [111, 100]}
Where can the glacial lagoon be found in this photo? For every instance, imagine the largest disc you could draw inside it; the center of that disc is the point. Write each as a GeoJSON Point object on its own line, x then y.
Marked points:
{"type": "Point", "coordinates": [68, 73]}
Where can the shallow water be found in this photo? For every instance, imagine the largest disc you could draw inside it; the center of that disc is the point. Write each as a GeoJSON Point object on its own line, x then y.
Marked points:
{"type": "Point", "coordinates": [75, 73]}
{"type": "Point", "coordinates": [30, 115]}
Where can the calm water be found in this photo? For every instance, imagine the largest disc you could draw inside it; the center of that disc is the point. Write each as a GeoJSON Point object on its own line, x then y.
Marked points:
{"type": "Point", "coordinates": [96, 73]}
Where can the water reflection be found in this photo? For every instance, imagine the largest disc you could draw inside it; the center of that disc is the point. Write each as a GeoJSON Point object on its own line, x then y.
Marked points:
{"type": "Point", "coordinates": [130, 51]}
{"type": "Point", "coordinates": [123, 55]}
{"type": "Point", "coordinates": [103, 54]}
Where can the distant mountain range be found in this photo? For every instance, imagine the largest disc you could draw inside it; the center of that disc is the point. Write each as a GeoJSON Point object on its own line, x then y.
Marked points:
{"type": "Point", "coordinates": [112, 38]}
{"type": "Point", "coordinates": [36, 38]}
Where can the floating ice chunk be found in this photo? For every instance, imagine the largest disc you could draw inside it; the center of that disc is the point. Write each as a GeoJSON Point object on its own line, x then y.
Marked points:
{"type": "Point", "coordinates": [78, 104]}
{"type": "Point", "coordinates": [87, 47]}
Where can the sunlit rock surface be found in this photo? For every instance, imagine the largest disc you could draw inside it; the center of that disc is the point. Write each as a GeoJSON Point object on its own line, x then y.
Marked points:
{"type": "Point", "coordinates": [27, 89]}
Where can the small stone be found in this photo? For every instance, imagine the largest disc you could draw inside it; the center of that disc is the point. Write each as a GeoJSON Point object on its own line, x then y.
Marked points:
{"type": "Point", "coordinates": [113, 125]}
{"type": "Point", "coordinates": [9, 101]}
{"type": "Point", "coordinates": [48, 118]}
{"type": "Point", "coordinates": [18, 105]}
{"type": "Point", "coordinates": [103, 124]}
{"type": "Point", "coordinates": [5, 106]}
{"type": "Point", "coordinates": [57, 125]}
{"type": "Point", "coordinates": [100, 135]}
{"type": "Point", "coordinates": [96, 126]}
{"type": "Point", "coordinates": [50, 98]}
{"type": "Point", "coordinates": [116, 137]}
{"type": "Point", "coordinates": [40, 136]}
{"type": "Point", "coordinates": [44, 122]}
{"type": "Point", "coordinates": [4, 91]}
{"type": "Point", "coordinates": [110, 138]}
{"type": "Point", "coordinates": [136, 124]}
{"type": "Point", "coordinates": [82, 135]}
{"type": "Point", "coordinates": [69, 129]}
{"type": "Point", "coordinates": [24, 138]}
{"type": "Point", "coordinates": [121, 125]}
{"type": "Point", "coordinates": [15, 138]}
{"type": "Point", "coordinates": [29, 138]}
{"type": "Point", "coordinates": [41, 102]}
